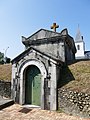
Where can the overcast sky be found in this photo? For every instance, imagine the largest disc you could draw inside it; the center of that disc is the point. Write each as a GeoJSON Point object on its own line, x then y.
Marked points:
{"type": "Point", "coordinates": [24, 17]}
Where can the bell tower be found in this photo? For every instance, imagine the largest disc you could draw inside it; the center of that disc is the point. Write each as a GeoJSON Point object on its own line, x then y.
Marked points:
{"type": "Point", "coordinates": [80, 45]}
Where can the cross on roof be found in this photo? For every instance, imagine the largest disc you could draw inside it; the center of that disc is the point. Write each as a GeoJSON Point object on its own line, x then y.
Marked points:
{"type": "Point", "coordinates": [54, 26]}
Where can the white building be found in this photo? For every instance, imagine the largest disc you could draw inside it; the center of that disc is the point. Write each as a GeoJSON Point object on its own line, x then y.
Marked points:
{"type": "Point", "coordinates": [80, 46]}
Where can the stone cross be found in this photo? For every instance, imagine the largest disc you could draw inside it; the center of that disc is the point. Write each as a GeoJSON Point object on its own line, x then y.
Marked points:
{"type": "Point", "coordinates": [54, 26]}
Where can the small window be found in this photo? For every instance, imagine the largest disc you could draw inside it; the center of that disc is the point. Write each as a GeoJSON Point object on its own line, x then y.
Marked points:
{"type": "Point", "coordinates": [78, 47]}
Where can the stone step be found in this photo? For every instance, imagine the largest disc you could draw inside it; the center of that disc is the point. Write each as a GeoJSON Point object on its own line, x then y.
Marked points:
{"type": "Point", "coordinates": [5, 102]}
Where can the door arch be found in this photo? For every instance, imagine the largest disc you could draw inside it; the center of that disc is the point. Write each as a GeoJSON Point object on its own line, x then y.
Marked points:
{"type": "Point", "coordinates": [40, 65]}
{"type": "Point", "coordinates": [33, 85]}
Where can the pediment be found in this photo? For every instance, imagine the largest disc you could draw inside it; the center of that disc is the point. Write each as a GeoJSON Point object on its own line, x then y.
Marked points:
{"type": "Point", "coordinates": [42, 33]}
{"type": "Point", "coordinates": [31, 50]}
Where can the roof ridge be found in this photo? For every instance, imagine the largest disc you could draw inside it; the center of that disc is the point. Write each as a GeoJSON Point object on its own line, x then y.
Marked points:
{"type": "Point", "coordinates": [40, 30]}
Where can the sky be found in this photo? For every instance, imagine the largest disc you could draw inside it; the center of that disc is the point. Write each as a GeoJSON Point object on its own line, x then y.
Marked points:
{"type": "Point", "coordinates": [25, 17]}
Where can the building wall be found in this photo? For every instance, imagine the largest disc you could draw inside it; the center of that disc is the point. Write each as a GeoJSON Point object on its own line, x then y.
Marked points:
{"type": "Point", "coordinates": [49, 74]}
{"type": "Point", "coordinates": [54, 49]}
{"type": "Point", "coordinates": [5, 89]}
{"type": "Point", "coordinates": [80, 46]}
{"type": "Point", "coordinates": [69, 55]}
{"type": "Point", "coordinates": [58, 49]}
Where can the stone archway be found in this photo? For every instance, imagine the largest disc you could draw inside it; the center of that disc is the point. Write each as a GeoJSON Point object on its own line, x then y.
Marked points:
{"type": "Point", "coordinates": [43, 72]}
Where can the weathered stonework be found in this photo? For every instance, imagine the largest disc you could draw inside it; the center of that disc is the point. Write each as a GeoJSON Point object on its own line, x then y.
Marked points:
{"type": "Point", "coordinates": [75, 103]}
{"type": "Point", "coordinates": [47, 51]}
{"type": "Point", "coordinates": [5, 89]}
{"type": "Point", "coordinates": [48, 70]}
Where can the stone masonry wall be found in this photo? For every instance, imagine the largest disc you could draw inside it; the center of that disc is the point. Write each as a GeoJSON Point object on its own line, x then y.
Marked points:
{"type": "Point", "coordinates": [5, 89]}
{"type": "Point", "coordinates": [74, 103]}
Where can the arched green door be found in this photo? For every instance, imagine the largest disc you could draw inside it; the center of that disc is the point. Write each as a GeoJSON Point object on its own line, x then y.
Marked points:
{"type": "Point", "coordinates": [33, 86]}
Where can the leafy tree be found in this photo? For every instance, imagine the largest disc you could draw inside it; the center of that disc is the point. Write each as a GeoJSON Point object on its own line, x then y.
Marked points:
{"type": "Point", "coordinates": [1, 58]}
{"type": "Point", "coordinates": [8, 60]}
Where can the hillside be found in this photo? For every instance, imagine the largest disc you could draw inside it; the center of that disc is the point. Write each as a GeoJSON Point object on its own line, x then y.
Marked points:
{"type": "Point", "coordinates": [74, 77]}
{"type": "Point", "coordinates": [77, 77]}
{"type": "Point", "coordinates": [5, 72]}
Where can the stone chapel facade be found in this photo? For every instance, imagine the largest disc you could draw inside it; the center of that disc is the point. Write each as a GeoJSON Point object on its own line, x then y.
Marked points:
{"type": "Point", "coordinates": [36, 71]}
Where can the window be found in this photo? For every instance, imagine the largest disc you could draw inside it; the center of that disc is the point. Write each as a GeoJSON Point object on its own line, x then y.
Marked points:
{"type": "Point", "coordinates": [78, 47]}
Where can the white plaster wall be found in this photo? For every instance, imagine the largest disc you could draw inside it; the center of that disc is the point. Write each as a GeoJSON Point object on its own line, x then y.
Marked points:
{"type": "Point", "coordinates": [80, 53]}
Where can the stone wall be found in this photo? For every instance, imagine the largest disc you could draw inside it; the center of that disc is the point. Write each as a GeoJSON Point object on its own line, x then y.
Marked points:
{"type": "Point", "coordinates": [74, 103]}
{"type": "Point", "coordinates": [5, 88]}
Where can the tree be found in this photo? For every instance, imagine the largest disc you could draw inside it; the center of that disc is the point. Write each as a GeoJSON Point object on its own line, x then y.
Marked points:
{"type": "Point", "coordinates": [1, 58]}
{"type": "Point", "coordinates": [8, 60]}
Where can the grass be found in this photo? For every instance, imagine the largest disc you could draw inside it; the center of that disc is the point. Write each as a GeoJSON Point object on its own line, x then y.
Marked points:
{"type": "Point", "coordinates": [74, 77]}
{"type": "Point", "coordinates": [80, 74]}
{"type": "Point", "coordinates": [5, 72]}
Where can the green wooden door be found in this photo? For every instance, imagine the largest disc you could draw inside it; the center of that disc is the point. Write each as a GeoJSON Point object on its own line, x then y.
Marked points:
{"type": "Point", "coordinates": [36, 90]}
{"type": "Point", "coordinates": [33, 86]}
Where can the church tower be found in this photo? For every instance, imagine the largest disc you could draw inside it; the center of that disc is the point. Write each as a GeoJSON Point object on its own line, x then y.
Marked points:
{"type": "Point", "coordinates": [80, 45]}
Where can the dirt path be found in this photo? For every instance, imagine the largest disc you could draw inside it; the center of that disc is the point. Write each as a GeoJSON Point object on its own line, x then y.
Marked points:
{"type": "Point", "coordinates": [17, 112]}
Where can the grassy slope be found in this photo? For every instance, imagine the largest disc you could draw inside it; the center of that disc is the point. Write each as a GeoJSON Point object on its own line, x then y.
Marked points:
{"type": "Point", "coordinates": [80, 78]}
{"type": "Point", "coordinates": [75, 76]}
{"type": "Point", "coordinates": [5, 72]}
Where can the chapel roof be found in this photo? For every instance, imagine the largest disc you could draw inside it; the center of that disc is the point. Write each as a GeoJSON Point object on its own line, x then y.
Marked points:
{"type": "Point", "coordinates": [45, 36]}
{"type": "Point", "coordinates": [40, 34]}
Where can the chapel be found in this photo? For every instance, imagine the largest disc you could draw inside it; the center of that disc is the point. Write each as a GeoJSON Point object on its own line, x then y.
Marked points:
{"type": "Point", "coordinates": [80, 47]}
{"type": "Point", "coordinates": [37, 70]}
